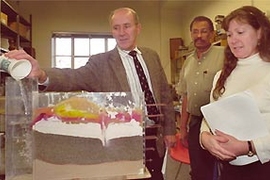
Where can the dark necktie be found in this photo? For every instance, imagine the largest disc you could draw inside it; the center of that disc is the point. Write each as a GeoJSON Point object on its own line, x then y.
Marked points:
{"type": "Point", "coordinates": [152, 110]}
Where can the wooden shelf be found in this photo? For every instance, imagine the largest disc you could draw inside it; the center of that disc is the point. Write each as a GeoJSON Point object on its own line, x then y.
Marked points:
{"type": "Point", "coordinates": [16, 28]}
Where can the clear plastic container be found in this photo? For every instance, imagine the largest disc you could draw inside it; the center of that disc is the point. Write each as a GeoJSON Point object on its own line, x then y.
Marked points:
{"type": "Point", "coordinates": [108, 144]}
{"type": "Point", "coordinates": [87, 136]}
{"type": "Point", "coordinates": [18, 118]}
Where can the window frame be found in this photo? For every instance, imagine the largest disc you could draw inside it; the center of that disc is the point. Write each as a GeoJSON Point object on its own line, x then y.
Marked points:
{"type": "Point", "coordinates": [73, 35]}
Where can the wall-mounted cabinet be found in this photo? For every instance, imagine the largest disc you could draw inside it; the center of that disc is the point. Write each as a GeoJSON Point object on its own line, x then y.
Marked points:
{"type": "Point", "coordinates": [175, 44]}
{"type": "Point", "coordinates": [16, 31]}
{"type": "Point", "coordinates": [178, 62]}
{"type": "Point", "coordinates": [178, 53]}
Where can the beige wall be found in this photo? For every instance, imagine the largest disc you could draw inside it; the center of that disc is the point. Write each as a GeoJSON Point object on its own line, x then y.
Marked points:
{"type": "Point", "coordinates": [161, 20]}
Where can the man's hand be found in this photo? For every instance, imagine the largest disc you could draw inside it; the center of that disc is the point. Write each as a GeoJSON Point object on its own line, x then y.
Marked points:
{"type": "Point", "coordinates": [36, 71]}
{"type": "Point", "coordinates": [170, 140]}
{"type": "Point", "coordinates": [184, 136]}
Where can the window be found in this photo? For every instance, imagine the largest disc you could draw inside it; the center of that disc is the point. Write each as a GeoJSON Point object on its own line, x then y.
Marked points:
{"type": "Point", "coordinates": [73, 50]}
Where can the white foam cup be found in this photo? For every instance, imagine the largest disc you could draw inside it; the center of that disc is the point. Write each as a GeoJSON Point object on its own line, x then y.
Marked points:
{"type": "Point", "coordinates": [18, 69]}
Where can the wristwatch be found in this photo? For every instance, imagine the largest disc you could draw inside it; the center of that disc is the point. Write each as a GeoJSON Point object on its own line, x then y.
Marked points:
{"type": "Point", "coordinates": [250, 152]}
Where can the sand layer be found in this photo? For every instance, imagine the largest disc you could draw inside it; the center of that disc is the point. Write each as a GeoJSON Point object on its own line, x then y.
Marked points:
{"type": "Point", "coordinates": [59, 149]}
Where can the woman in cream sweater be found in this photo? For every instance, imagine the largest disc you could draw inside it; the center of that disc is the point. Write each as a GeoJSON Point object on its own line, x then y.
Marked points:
{"type": "Point", "coordinates": [246, 69]}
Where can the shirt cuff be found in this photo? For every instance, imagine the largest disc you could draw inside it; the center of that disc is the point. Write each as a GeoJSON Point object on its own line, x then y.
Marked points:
{"type": "Point", "coordinates": [45, 83]}
{"type": "Point", "coordinates": [200, 140]}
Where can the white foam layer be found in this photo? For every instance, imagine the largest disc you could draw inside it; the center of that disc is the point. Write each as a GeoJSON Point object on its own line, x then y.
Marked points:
{"type": "Point", "coordinates": [54, 125]}
{"type": "Point", "coordinates": [128, 129]}
{"type": "Point", "coordinates": [114, 130]}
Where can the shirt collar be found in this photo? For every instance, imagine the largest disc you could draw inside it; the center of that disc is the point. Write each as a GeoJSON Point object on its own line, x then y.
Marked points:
{"type": "Point", "coordinates": [203, 54]}
{"type": "Point", "coordinates": [125, 53]}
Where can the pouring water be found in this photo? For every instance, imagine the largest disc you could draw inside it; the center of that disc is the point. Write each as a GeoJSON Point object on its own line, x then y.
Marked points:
{"type": "Point", "coordinates": [18, 114]}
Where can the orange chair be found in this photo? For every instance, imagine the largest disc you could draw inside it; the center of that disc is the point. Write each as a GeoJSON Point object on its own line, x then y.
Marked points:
{"type": "Point", "coordinates": [179, 152]}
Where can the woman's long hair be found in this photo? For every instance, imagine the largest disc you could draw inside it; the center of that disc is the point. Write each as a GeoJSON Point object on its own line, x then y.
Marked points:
{"type": "Point", "coordinates": [257, 19]}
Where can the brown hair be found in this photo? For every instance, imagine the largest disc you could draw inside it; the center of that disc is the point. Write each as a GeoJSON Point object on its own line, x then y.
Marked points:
{"type": "Point", "coordinates": [257, 19]}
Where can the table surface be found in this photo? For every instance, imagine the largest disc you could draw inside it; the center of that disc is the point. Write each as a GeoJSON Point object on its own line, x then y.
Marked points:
{"type": "Point", "coordinates": [142, 175]}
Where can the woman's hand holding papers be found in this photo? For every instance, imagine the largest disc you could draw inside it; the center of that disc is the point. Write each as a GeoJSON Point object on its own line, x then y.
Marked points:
{"type": "Point", "coordinates": [233, 145]}
{"type": "Point", "coordinates": [218, 145]}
